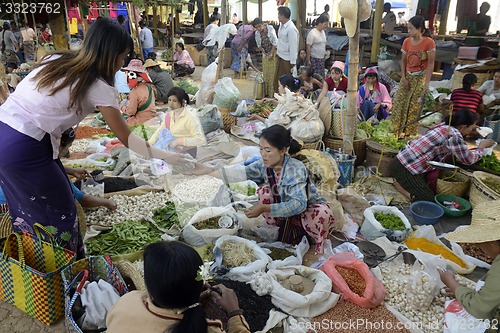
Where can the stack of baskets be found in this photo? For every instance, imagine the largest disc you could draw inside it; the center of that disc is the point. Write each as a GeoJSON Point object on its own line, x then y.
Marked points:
{"type": "Point", "coordinates": [479, 191]}
{"type": "Point", "coordinates": [380, 156]}
{"type": "Point", "coordinates": [359, 147]}
{"type": "Point", "coordinates": [455, 182]}
{"type": "Point", "coordinates": [227, 118]}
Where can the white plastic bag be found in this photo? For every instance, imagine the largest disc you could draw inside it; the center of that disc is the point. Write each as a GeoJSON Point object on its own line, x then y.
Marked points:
{"type": "Point", "coordinates": [208, 79]}
{"type": "Point", "coordinates": [101, 160]}
{"type": "Point", "coordinates": [295, 257]}
{"type": "Point", "coordinates": [372, 229]}
{"type": "Point", "coordinates": [242, 109]}
{"type": "Point", "coordinates": [244, 273]}
{"type": "Point", "coordinates": [307, 130]}
{"type": "Point", "coordinates": [458, 320]}
{"type": "Point", "coordinates": [290, 324]}
{"type": "Point", "coordinates": [197, 237]}
{"type": "Point", "coordinates": [227, 94]}
{"type": "Point", "coordinates": [238, 196]}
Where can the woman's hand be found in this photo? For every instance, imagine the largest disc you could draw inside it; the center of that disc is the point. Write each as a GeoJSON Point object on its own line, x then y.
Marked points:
{"type": "Point", "coordinates": [79, 173]}
{"type": "Point", "coordinates": [448, 278]}
{"type": "Point", "coordinates": [270, 56]}
{"type": "Point", "coordinates": [406, 84]}
{"type": "Point", "coordinates": [255, 210]}
{"type": "Point", "coordinates": [486, 143]}
{"type": "Point", "coordinates": [225, 298]}
{"type": "Point", "coordinates": [111, 204]}
{"type": "Point", "coordinates": [256, 117]}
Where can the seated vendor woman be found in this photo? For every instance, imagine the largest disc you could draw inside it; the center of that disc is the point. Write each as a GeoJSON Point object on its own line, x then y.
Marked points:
{"type": "Point", "coordinates": [181, 129]}
{"type": "Point", "coordinates": [140, 105]}
{"type": "Point", "coordinates": [445, 140]}
{"type": "Point", "coordinates": [161, 79]}
{"type": "Point", "coordinates": [287, 197]}
{"type": "Point", "coordinates": [312, 83]}
{"type": "Point", "coordinates": [373, 97]}
{"type": "Point", "coordinates": [468, 98]}
{"type": "Point", "coordinates": [337, 80]}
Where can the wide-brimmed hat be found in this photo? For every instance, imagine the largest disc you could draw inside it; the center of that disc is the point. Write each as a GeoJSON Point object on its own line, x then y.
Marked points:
{"type": "Point", "coordinates": [150, 63]}
{"type": "Point", "coordinates": [348, 9]}
{"type": "Point", "coordinates": [484, 227]}
{"type": "Point", "coordinates": [338, 64]}
{"type": "Point", "coordinates": [135, 65]}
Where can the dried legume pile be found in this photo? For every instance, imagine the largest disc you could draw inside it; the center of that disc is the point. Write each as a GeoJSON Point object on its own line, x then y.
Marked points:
{"type": "Point", "coordinates": [353, 279]}
{"type": "Point", "coordinates": [79, 145]}
{"type": "Point", "coordinates": [256, 308]}
{"type": "Point", "coordinates": [86, 132]}
{"type": "Point", "coordinates": [474, 251]}
{"type": "Point", "coordinates": [77, 155]}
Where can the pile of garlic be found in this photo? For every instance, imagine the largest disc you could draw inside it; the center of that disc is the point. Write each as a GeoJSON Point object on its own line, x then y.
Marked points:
{"type": "Point", "coordinates": [80, 145]}
{"type": "Point", "coordinates": [130, 208]}
{"type": "Point", "coordinates": [197, 189]}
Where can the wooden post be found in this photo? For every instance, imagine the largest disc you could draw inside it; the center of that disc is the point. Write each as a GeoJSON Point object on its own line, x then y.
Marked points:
{"type": "Point", "coordinates": [377, 31]}
{"type": "Point", "coordinates": [244, 3]}
{"type": "Point", "coordinates": [223, 12]}
{"type": "Point", "coordinates": [220, 64]}
{"type": "Point", "coordinates": [444, 19]}
{"type": "Point", "coordinates": [206, 20]}
{"type": "Point", "coordinates": [301, 21]}
{"type": "Point", "coordinates": [133, 24]}
{"type": "Point", "coordinates": [155, 22]}
{"type": "Point", "coordinates": [352, 89]}
{"type": "Point", "coordinates": [260, 8]}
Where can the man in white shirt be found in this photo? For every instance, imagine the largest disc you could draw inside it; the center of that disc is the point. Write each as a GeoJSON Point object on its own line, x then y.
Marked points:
{"type": "Point", "coordinates": [146, 39]}
{"type": "Point", "coordinates": [389, 20]}
{"type": "Point", "coordinates": [288, 44]}
{"type": "Point", "coordinates": [211, 50]}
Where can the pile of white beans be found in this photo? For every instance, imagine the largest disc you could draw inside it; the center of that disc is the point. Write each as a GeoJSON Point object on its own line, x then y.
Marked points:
{"type": "Point", "coordinates": [197, 189]}
{"type": "Point", "coordinates": [130, 208]}
{"type": "Point", "coordinates": [80, 145]}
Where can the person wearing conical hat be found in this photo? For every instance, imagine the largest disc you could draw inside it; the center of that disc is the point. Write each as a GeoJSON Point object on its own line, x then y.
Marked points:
{"type": "Point", "coordinates": [484, 231]}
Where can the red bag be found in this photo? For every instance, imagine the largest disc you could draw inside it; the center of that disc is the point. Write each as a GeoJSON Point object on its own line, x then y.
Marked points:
{"type": "Point", "coordinates": [374, 292]}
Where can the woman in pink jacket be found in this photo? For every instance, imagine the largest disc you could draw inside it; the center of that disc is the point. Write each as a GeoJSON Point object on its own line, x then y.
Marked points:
{"type": "Point", "coordinates": [373, 97]}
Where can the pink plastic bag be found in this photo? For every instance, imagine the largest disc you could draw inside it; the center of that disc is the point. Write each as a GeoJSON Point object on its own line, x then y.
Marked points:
{"type": "Point", "coordinates": [374, 292]}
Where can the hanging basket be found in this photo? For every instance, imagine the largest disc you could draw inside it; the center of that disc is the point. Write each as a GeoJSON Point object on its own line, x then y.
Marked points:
{"type": "Point", "coordinates": [453, 183]}
{"type": "Point", "coordinates": [359, 147]}
{"type": "Point", "coordinates": [380, 157]}
{"type": "Point", "coordinates": [479, 191]}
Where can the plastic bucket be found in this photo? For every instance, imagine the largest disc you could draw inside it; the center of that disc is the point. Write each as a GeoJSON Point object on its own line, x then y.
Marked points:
{"type": "Point", "coordinates": [345, 163]}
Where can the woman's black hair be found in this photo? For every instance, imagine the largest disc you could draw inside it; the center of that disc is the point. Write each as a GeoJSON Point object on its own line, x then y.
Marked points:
{"type": "Point", "coordinates": [279, 137]}
{"type": "Point", "coordinates": [180, 94]}
{"type": "Point", "coordinates": [290, 82]}
{"type": "Point", "coordinates": [6, 26]}
{"type": "Point", "coordinates": [12, 65]}
{"type": "Point", "coordinates": [321, 19]}
{"type": "Point", "coordinates": [461, 117]}
{"type": "Point", "coordinates": [309, 71]}
{"type": "Point", "coordinates": [468, 81]}
{"type": "Point", "coordinates": [180, 45]}
{"type": "Point", "coordinates": [152, 55]}
{"type": "Point", "coordinates": [67, 137]}
{"type": "Point", "coordinates": [256, 21]}
{"type": "Point", "coordinates": [419, 23]}
{"type": "Point", "coordinates": [170, 270]}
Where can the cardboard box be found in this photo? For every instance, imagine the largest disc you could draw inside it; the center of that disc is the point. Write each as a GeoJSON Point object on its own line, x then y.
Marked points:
{"type": "Point", "coordinates": [195, 54]}
{"type": "Point", "coordinates": [203, 60]}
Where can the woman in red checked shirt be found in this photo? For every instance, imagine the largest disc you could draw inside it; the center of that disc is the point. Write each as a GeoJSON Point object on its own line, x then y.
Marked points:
{"type": "Point", "coordinates": [410, 167]}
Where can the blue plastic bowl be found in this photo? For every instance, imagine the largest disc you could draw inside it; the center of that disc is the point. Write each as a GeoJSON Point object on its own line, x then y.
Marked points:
{"type": "Point", "coordinates": [426, 212]}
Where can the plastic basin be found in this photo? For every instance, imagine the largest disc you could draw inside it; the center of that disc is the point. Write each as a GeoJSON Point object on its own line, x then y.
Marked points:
{"type": "Point", "coordinates": [426, 212]}
{"type": "Point", "coordinates": [465, 205]}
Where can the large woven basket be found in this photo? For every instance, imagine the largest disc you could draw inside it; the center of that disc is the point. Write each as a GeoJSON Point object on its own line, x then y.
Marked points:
{"type": "Point", "coordinates": [380, 157]}
{"type": "Point", "coordinates": [359, 147]}
{"type": "Point", "coordinates": [479, 191]}
{"type": "Point", "coordinates": [458, 187]}
{"type": "Point", "coordinates": [316, 145]}
{"type": "Point", "coordinates": [128, 271]}
{"type": "Point", "coordinates": [227, 119]}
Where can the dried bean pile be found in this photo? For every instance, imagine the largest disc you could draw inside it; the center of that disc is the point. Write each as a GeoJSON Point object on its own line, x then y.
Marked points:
{"type": "Point", "coordinates": [256, 308]}
{"type": "Point", "coordinates": [347, 317]}
{"type": "Point", "coordinates": [77, 155]}
{"type": "Point", "coordinates": [353, 279]}
{"type": "Point", "coordinates": [79, 145]}
{"type": "Point", "coordinates": [474, 251]}
{"type": "Point", "coordinates": [87, 132]}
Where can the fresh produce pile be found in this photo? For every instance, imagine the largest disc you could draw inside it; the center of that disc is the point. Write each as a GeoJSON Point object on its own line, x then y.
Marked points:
{"type": "Point", "coordinates": [236, 254]}
{"type": "Point", "coordinates": [188, 85]}
{"type": "Point", "coordinates": [444, 91]}
{"type": "Point", "coordinates": [425, 245]}
{"type": "Point", "coordinates": [383, 133]}
{"type": "Point", "coordinates": [492, 183]}
{"type": "Point", "coordinates": [79, 145]}
{"type": "Point", "coordinates": [166, 55]}
{"type": "Point", "coordinates": [490, 162]}
{"type": "Point", "coordinates": [143, 131]}
{"type": "Point", "coordinates": [389, 221]}
{"type": "Point", "coordinates": [86, 132]}
{"type": "Point", "coordinates": [211, 223]}
{"type": "Point", "coordinates": [353, 279]}
{"type": "Point", "coordinates": [279, 253]}
{"type": "Point", "coordinates": [242, 189]}
{"type": "Point", "coordinates": [261, 109]}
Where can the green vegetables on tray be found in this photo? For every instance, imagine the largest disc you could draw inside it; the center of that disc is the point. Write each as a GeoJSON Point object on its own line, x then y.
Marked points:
{"type": "Point", "coordinates": [242, 188]}
{"type": "Point", "coordinates": [189, 86]}
{"type": "Point", "coordinates": [390, 221]}
{"type": "Point", "coordinates": [492, 183]}
{"type": "Point", "coordinates": [490, 162]}
{"type": "Point", "coordinates": [383, 133]}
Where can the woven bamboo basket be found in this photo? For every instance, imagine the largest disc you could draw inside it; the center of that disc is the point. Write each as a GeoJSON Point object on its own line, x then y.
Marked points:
{"type": "Point", "coordinates": [359, 147]}
{"type": "Point", "coordinates": [227, 119]}
{"type": "Point", "coordinates": [458, 187]}
{"type": "Point", "coordinates": [316, 145]}
{"type": "Point", "coordinates": [479, 191]}
{"type": "Point", "coordinates": [380, 157]}
{"type": "Point", "coordinates": [128, 271]}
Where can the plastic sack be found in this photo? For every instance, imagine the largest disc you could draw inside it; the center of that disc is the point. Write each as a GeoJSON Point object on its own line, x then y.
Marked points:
{"type": "Point", "coordinates": [320, 300]}
{"type": "Point", "coordinates": [458, 320]}
{"type": "Point", "coordinates": [307, 130]}
{"type": "Point", "coordinates": [210, 118]}
{"type": "Point", "coordinates": [423, 285]}
{"type": "Point", "coordinates": [374, 292]}
{"type": "Point", "coordinates": [372, 228]}
{"type": "Point", "coordinates": [208, 80]}
{"type": "Point", "coordinates": [238, 196]}
{"type": "Point", "coordinates": [428, 232]}
{"type": "Point", "coordinates": [244, 273]}
{"type": "Point", "coordinates": [101, 160]}
{"type": "Point", "coordinates": [197, 237]}
{"type": "Point", "coordinates": [296, 256]}
{"type": "Point", "coordinates": [91, 187]}
{"type": "Point", "coordinates": [227, 94]}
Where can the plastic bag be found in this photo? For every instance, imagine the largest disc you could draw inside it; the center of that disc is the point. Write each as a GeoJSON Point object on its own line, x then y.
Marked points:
{"type": "Point", "coordinates": [374, 292]}
{"type": "Point", "coordinates": [242, 109]}
{"type": "Point", "coordinates": [296, 256]}
{"type": "Point", "coordinates": [210, 118]}
{"type": "Point", "coordinates": [91, 187]}
{"type": "Point", "coordinates": [101, 160]}
{"type": "Point", "coordinates": [247, 184]}
{"type": "Point", "coordinates": [372, 229]}
{"type": "Point", "coordinates": [244, 273]}
{"type": "Point", "coordinates": [307, 130]}
{"type": "Point", "coordinates": [227, 94]}
{"type": "Point", "coordinates": [422, 287]}
{"type": "Point", "coordinates": [197, 237]}
{"type": "Point", "coordinates": [208, 80]}
{"type": "Point", "coordinates": [458, 320]}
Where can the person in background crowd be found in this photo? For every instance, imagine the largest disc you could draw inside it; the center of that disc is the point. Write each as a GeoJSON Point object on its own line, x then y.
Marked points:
{"type": "Point", "coordinates": [326, 13]}
{"type": "Point", "coordinates": [288, 43]}
{"type": "Point", "coordinates": [152, 56]}
{"type": "Point", "coordinates": [161, 79]}
{"type": "Point", "coordinates": [312, 83]}
{"type": "Point", "coordinates": [492, 88]}
{"type": "Point", "coordinates": [301, 60]}
{"type": "Point", "coordinates": [19, 38]}
{"type": "Point", "coordinates": [266, 40]}
{"type": "Point", "coordinates": [12, 78]}
{"type": "Point", "coordinates": [171, 302]}
{"type": "Point", "coordinates": [346, 62]}
{"type": "Point", "coordinates": [316, 46]}
{"type": "Point", "coordinates": [337, 80]}
{"type": "Point", "coordinates": [146, 39]}
{"type": "Point", "coordinates": [389, 20]}
{"type": "Point", "coordinates": [45, 36]}
{"type": "Point", "coordinates": [4, 91]}
{"type": "Point", "coordinates": [239, 47]}
{"type": "Point", "coordinates": [121, 20]}
{"type": "Point", "coordinates": [9, 45]}
{"type": "Point", "coordinates": [443, 141]}
{"type": "Point", "coordinates": [417, 62]}
{"type": "Point", "coordinates": [211, 50]}
{"type": "Point", "coordinates": [483, 21]}
{"type": "Point", "coordinates": [140, 105]}
{"type": "Point", "coordinates": [373, 97]}
{"type": "Point", "coordinates": [401, 20]}
{"type": "Point", "coordinates": [183, 63]}
{"type": "Point", "coordinates": [38, 112]}
{"type": "Point", "coordinates": [235, 20]}
{"type": "Point", "coordinates": [468, 98]}
{"type": "Point", "coordinates": [178, 37]}
{"type": "Point", "coordinates": [216, 13]}
{"type": "Point", "coordinates": [484, 231]}
{"type": "Point", "coordinates": [29, 41]}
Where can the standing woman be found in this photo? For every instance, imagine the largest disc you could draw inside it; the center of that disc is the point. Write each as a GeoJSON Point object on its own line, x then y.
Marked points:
{"type": "Point", "coordinates": [417, 63]}
{"type": "Point", "coordinates": [316, 46]}
{"type": "Point", "coordinates": [59, 93]}
{"type": "Point", "coordinates": [9, 46]}
{"type": "Point", "coordinates": [239, 47]}
{"type": "Point", "coordinates": [266, 39]}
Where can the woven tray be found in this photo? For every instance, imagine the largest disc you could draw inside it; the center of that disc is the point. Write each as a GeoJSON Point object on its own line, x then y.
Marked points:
{"type": "Point", "coordinates": [479, 191]}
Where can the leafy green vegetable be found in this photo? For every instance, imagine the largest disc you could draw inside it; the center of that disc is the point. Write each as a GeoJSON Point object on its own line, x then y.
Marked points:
{"type": "Point", "coordinates": [189, 86]}
{"type": "Point", "coordinates": [242, 189]}
{"type": "Point", "coordinates": [444, 91]}
{"type": "Point", "coordinates": [490, 162]}
{"type": "Point", "coordinates": [383, 133]}
{"type": "Point", "coordinates": [367, 127]}
{"type": "Point", "coordinates": [492, 183]}
{"type": "Point", "coordinates": [389, 221]}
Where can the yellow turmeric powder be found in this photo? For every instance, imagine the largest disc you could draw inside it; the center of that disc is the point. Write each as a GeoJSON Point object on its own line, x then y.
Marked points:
{"type": "Point", "coordinates": [424, 245]}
